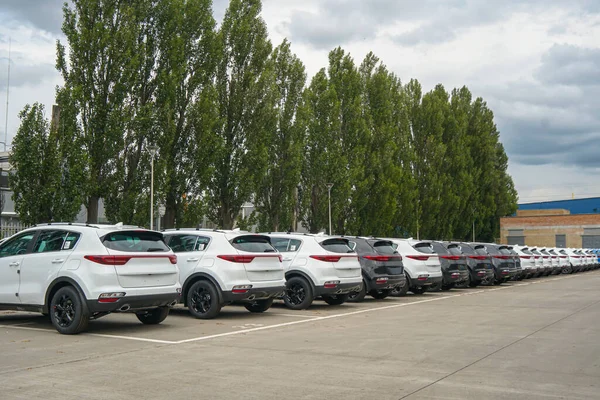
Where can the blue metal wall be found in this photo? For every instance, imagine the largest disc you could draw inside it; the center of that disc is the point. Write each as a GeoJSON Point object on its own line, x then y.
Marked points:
{"type": "Point", "coordinates": [575, 206]}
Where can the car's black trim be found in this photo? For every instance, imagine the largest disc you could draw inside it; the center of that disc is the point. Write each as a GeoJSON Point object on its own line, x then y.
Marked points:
{"type": "Point", "coordinates": [134, 302]}
{"type": "Point", "coordinates": [57, 284]}
{"type": "Point", "coordinates": [431, 280]}
{"type": "Point", "coordinates": [392, 282]}
{"type": "Point", "coordinates": [22, 307]}
{"type": "Point", "coordinates": [342, 288]}
{"type": "Point", "coordinates": [195, 277]}
{"type": "Point", "coordinates": [254, 294]}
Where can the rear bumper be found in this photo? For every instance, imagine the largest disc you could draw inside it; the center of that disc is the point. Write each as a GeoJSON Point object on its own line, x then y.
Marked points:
{"type": "Point", "coordinates": [392, 282]}
{"type": "Point", "coordinates": [143, 302]}
{"type": "Point", "coordinates": [456, 276]}
{"type": "Point", "coordinates": [342, 288]}
{"type": "Point", "coordinates": [430, 280]}
{"type": "Point", "coordinates": [254, 294]}
{"type": "Point", "coordinates": [480, 275]}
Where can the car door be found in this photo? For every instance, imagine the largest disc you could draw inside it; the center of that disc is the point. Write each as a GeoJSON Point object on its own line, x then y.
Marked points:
{"type": "Point", "coordinates": [288, 248]}
{"type": "Point", "coordinates": [12, 253]}
{"type": "Point", "coordinates": [50, 252]}
{"type": "Point", "coordinates": [189, 249]}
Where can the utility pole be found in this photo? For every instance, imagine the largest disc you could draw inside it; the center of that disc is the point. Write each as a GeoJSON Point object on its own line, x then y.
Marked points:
{"type": "Point", "coordinates": [7, 95]}
{"type": "Point", "coordinates": [153, 152]}
{"type": "Point", "coordinates": [329, 186]}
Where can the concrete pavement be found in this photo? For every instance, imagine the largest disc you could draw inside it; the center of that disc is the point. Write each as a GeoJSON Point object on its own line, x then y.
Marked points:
{"type": "Point", "coordinates": [535, 339]}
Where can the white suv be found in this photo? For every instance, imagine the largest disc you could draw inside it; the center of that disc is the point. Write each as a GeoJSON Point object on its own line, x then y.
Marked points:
{"type": "Point", "coordinates": [76, 273]}
{"type": "Point", "coordinates": [219, 267]}
{"type": "Point", "coordinates": [317, 266]}
{"type": "Point", "coordinates": [421, 265]}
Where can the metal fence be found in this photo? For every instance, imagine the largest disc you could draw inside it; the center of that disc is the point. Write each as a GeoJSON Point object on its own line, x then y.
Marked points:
{"type": "Point", "coordinates": [9, 228]}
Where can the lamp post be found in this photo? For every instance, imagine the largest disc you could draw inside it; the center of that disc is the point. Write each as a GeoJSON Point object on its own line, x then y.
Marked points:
{"type": "Point", "coordinates": [329, 186]}
{"type": "Point", "coordinates": [153, 152]}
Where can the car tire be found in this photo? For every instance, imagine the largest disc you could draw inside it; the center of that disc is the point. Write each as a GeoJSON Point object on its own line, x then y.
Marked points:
{"type": "Point", "coordinates": [399, 291]}
{"type": "Point", "coordinates": [359, 296]}
{"type": "Point", "coordinates": [298, 293]}
{"type": "Point", "coordinates": [448, 287]}
{"type": "Point", "coordinates": [471, 282]}
{"type": "Point", "coordinates": [68, 313]}
{"type": "Point", "coordinates": [153, 316]}
{"type": "Point", "coordinates": [335, 299]}
{"type": "Point", "coordinates": [259, 306]}
{"type": "Point", "coordinates": [380, 294]}
{"type": "Point", "coordinates": [203, 300]}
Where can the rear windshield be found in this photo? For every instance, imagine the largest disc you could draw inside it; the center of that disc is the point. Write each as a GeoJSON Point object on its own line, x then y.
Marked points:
{"type": "Point", "coordinates": [455, 251]}
{"type": "Point", "coordinates": [526, 251]}
{"type": "Point", "coordinates": [544, 252]}
{"type": "Point", "coordinates": [552, 252]}
{"type": "Point", "coordinates": [439, 248]}
{"type": "Point", "coordinates": [135, 241]}
{"type": "Point", "coordinates": [336, 246]}
{"type": "Point", "coordinates": [424, 247]}
{"type": "Point", "coordinates": [481, 250]}
{"type": "Point", "coordinates": [564, 252]}
{"type": "Point", "coordinates": [505, 251]}
{"type": "Point", "coordinates": [253, 244]}
{"type": "Point", "coordinates": [384, 247]}
{"type": "Point", "coordinates": [466, 249]}
{"type": "Point", "coordinates": [537, 253]}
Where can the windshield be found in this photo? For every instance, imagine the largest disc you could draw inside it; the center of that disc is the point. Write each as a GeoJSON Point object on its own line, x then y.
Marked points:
{"type": "Point", "coordinates": [384, 247]}
{"type": "Point", "coordinates": [253, 244]}
{"type": "Point", "coordinates": [337, 245]}
{"type": "Point", "coordinates": [424, 247]}
{"type": "Point", "coordinates": [135, 241]}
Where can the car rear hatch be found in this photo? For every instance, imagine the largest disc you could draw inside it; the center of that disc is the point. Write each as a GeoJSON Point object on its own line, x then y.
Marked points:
{"type": "Point", "coordinates": [339, 255]}
{"type": "Point", "coordinates": [260, 259]}
{"type": "Point", "coordinates": [140, 258]}
{"type": "Point", "coordinates": [426, 254]}
{"type": "Point", "coordinates": [388, 260]}
{"type": "Point", "coordinates": [453, 259]}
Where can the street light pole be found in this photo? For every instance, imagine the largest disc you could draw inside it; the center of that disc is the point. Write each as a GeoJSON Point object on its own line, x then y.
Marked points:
{"type": "Point", "coordinates": [153, 152]}
{"type": "Point", "coordinates": [329, 186]}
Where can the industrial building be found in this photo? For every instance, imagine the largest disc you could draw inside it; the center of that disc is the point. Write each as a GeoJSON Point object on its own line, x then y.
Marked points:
{"type": "Point", "coordinates": [564, 223]}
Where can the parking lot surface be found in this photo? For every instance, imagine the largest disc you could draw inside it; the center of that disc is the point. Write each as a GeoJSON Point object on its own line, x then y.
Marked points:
{"type": "Point", "coordinates": [536, 339]}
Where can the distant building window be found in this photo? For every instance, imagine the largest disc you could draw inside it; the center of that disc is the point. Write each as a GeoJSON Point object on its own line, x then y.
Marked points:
{"type": "Point", "coordinates": [561, 241]}
{"type": "Point", "coordinates": [516, 240]}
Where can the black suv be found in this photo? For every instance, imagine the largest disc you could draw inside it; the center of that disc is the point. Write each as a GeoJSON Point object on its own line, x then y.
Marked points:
{"type": "Point", "coordinates": [454, 266]}
{"type": "Point", "coordinates": [481, 270]}
{"type": "Point", "coordinates": [382, 267]}
{"type": "Point", "coordinates": [503, 264]}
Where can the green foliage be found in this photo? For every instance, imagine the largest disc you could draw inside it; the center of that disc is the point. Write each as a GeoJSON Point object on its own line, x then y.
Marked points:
{"type": "Point", "coordinates": [236, 122]}
{"type": "Point", "coordinates": [47, 162]}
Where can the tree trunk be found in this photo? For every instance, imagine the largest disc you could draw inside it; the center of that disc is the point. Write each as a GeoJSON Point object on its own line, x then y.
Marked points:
{"type": "Point", "coordinates": [227, 221]}
{"type": "Point", "coordinates": [170, 210]}
{"type": "Point", "coordinates": [92, 210]}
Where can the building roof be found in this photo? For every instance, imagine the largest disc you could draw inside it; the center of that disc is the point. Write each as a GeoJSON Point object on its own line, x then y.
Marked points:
{"type": "Point", "coordinates": [589, 205]}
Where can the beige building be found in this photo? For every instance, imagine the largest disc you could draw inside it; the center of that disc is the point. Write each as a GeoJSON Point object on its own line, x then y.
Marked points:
{"type": "Point", "coordinates": [551, 228]}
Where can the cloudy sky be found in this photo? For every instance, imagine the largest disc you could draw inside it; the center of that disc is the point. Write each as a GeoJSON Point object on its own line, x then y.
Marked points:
{"type": "Point", "coordinates": [536, 63]}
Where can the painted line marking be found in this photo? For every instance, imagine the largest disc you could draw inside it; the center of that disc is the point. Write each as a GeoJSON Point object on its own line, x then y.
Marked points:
{"type": "Point", "coordinates": [294, 315]}
{"type": "Point", "coordinates": [303, 321]}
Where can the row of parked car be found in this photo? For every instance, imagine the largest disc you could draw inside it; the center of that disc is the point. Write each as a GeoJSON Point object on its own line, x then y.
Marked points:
{"type": "Point", "coordinates": [75, 273]}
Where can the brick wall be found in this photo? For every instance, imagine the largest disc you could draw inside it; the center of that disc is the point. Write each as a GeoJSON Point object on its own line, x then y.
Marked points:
{"type": "Point", "coordinates": [542, 230]}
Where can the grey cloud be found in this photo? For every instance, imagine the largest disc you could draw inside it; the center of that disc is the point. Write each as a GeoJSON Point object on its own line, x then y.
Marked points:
{"type": "Point", "coordinates": [45, 15]}
{"type": "Point", "coordinates": [570, 65]}
{"type": "Point", "coordinates": [337, 22]}
{"type": "Point", "coordinates": [25, 75]}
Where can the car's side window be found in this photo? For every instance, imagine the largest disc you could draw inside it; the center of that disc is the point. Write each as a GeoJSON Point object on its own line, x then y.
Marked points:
{"type": "Point", "coordinates": [284, 245]}
{"type": "Point", "coordinates": [182, 243]}
{"type": "Point", "coordinates": [17, 245]}
{"type": "Point", "coordinates": [201, 243]}
{"type": "Point", "coordinates": [71, 240]}
{"type": "Point", "coordinates": [49, 240]}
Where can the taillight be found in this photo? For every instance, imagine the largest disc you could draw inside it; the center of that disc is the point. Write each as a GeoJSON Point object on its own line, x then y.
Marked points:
{"type": "Point", "coordinates": [563, 256]}
{"type": "Point", "coordinates": [241, 289]}
{"type": "Point", "coordinates": [122, 260]}
{"type": "Point", "coordinates": [422, 277]}
{"type": "Point", "coordinates": [502, 257]}
{"type": "Point", "coordinates": [478, 257]}
{"type": "Point", "coordinates": [327, 258]}
{"type": "Point", "coordinates": [381, 281]}
{"type": "Point", "coordinates": [451, 257]}
{"type": "Point", "coordinates": [526, 257]}
{"type": "Point", "coordinates": [383, 258]}
{"type": "Point", "coordinates": [419, 258]}
{"type": "Point", "coordinates": [246, 259]}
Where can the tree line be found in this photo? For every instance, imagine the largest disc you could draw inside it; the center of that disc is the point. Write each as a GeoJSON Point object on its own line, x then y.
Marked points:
{"type": "Point", "coordinates": [236, 120]}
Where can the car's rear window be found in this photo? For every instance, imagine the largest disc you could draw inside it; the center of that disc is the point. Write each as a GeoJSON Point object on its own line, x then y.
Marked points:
{"type": "Point", "coordinates": [424, 247]}
{"type": "Point", "coordinates": [466, 249]}
{"type": "Point", "coordinates": [455, 250]}
{"type": "Point", "coordinates": [336, 246]}
{"type": "Point", "coordinates": [505, 251]}
{"type": "Point", "coordinates": [526, 251]}
{"type": "Point", "coordinates": [384, 247]}
{"type": "Point", "coordinates": [537, 253]}
{"type": "Point", "coordinates": [135, 241]}
{"type": "Point", "coordinates": [439, 248]}
{"type": "Point", "coordinates": [253, 244]}
{"type": "Point", "coordinates": [544, 252]}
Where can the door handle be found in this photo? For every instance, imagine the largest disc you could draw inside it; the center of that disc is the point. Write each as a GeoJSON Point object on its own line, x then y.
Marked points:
{"type": "Point", "coordinates": [193, 259]}
{"type": "Point", "coordinates": [14, 264]}
{"type": "Point", "coordinates": [287, 259]}
{"type": "Point", "coordinates": [58, 260]}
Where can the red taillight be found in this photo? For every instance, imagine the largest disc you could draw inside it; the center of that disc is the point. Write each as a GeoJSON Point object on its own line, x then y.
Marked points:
{"type": "Point", "coordinates": [563, 256]}
{"type": "Point", "coordinates": [451, 257]}
{"type": "Point", "coordinates": [122, 260]}
{"type": "Point", "coordinates": [503, 257]}
{"type": "Point", "coordinates": [419, 258]}
{"type": "Point", "coordinates": [546, 256]}
{"type": "Point", "coordinates": [381, 281]}
{"type": "Point", "coordinates": [526, 257]}
{"type": "Point", "coordinates": [383, 258]}
{"type": "Point", "coordinates": [326, 258]}
{"type": "Point", "coordinates": [478, 257]}
{"type": "Point", "coordinates": [246, 259]}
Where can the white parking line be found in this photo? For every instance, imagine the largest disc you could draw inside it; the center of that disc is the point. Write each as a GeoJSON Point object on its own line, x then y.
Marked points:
{"type": "Point", "coordinates": [294, 315]}
{"type": "Point", "coordinates": [306, 319]}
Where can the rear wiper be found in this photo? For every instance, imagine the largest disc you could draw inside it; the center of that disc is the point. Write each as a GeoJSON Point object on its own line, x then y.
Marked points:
{"type": "Point", "coordinates": [153, 249]}
{"type": "Point", "coordinates": [269, 251]}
